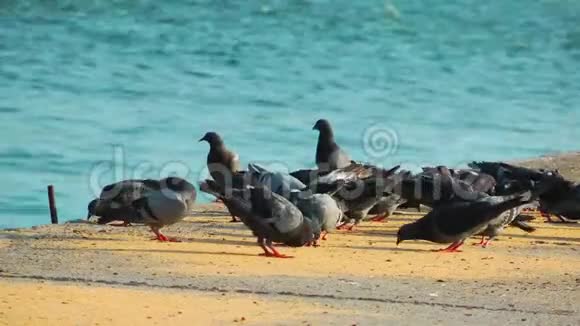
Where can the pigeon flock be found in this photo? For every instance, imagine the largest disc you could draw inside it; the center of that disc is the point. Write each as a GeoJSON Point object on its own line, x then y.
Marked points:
{"type": "Point", "coordinates": [300, 208]}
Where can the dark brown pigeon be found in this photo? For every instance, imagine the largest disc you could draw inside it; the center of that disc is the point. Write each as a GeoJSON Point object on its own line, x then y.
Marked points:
{"type": "Point", "coordinates": [329, 156]}
{"type": "Point", "coordinates": [221, 162]}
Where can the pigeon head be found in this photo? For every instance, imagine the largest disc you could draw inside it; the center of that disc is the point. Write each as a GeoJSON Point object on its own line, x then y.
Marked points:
{"type": "Point", "coordinates": [407, 232]}
{"type": "Point", "coordinates": [309, 230]}
{"type": "Point", "coordinates": [323, 126]}
{"type": "Point", "coordinates": [212, 138]}
{"type": "Point", "coordinates": [92, 207]}
{"type": "Point", "coordinates": [177, 184]}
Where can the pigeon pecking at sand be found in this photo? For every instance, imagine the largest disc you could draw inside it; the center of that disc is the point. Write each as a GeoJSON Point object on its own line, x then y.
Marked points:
{"type": "Point", "coordinates": [320, 207]}
{"type": "Point", "coordinates": [357, 197]}
{"type": "Point", "coordinates": [271, 217]}
{"type": "Point", "coordinates": [151, 202]}
{"type": "Point", "coordinates": [453, 222]}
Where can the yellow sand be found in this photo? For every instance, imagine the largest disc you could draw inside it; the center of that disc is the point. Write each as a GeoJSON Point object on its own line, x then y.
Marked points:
{"type": "Point", "coordinates": [56, 304]}
{"type": "Point", "coordinates": [214, 247]}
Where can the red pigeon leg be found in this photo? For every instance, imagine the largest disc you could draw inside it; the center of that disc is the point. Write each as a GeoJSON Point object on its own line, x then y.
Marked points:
{"type": "Point", "coordinates": [480, 242]}
{"type": "Point", "coordinates": [486, 243]}
{"type": "Point", "coordinates": [275, 252]}
{"type": "Point", "coordinates": [323, 235]}
{"type": "Point", "coordinates": [380, 218]}
{"type": "Point", "coordinates": [346, 226]}
{"type": "Point", "coordinates": [161, 237]}
{"type": "Point", "coordinates": [267, 252]}
{"type": "Point", "coordinates": [547, 216]}
{"type": "Point", "coordinates": [452, 248]}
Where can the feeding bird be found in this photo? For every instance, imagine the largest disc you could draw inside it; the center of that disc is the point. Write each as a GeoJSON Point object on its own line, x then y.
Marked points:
{"type": "Point", "coordinates": [269, 216]}
{"type": "Point", "coordinates": [156, 203]}
{"type": "Point", "coordinates": [454, 221]}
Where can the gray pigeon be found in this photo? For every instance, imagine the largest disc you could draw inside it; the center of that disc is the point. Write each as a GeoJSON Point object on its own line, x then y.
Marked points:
{"type": "Point", "coordinates": [151, 202]}
{"type": "Point", "coordinates": [386, 206]}
{"type": "Point", "coordinates": [509, 217]}
{"type": "Point", "coordinates": [453, 222]}
{"type": "Point", "coordinates": [329, 156]}
{"type": "Point", "coordinates": [280, 183]}
{"type": "Point", "coordinates": [356, 197]}
{"type": "Point", "coordinates": [320, 207]}
{"type": "Point", "coordinates": [271, 217]}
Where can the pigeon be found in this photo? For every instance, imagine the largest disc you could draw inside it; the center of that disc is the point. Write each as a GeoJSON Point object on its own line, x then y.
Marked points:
{"type": "Point", "coordinates": [221, 162]}
{"type": "Point", "coordinates": [503, 172]}
{"type": "Point", "coordinates": [316, 206]}
{"type": "Point", "coordinates": [306, 176]}
{"type": "Point", "coordinates": [479, 181]}
{"type": "Point", "coordinates": [353, 171]}
{"type": "Point", "coordinates": [389, 203]}
{"type": "Point", "coordinates": [386, 206]}
{"type": "Point", "coordinates": [280, 183]}
{"type": "Point", "coordinates": [156, 203]}
{"type": "Point", "coordinates": [509, 217]}
{"type": "Point", "coordinates": [329, 156]}
{"type": "Point", "coordinates": [356, 198]}
{"type": "Point", "coordinates": [454, 221]}
{"type": "Point", "coordinates": [434, 189]}
{"type": "Point", "coordinates": [320, 207]}
{"type": "Point", "coordinates": [270, 217]}
{"type": "Point", "coordinates": [562, 200]}
{"type": "Point", "coordinates": [116, 199]}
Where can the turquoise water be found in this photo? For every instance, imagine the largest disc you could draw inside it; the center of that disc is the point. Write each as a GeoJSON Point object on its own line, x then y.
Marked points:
{"type": "Point", "coordinates": [138, 82]}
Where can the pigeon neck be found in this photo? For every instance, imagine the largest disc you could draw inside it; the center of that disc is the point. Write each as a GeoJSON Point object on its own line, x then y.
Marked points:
{"type": "Point", "coordinates": [217, 145]}
{"type": "Point", "coordinates": [326, 139]}
{"type": "Point", "coordinates": [326, 133]}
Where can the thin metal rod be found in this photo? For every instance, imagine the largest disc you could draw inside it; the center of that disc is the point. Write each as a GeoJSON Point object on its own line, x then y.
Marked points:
{"type": "Point", "coordinates": [52, 205]}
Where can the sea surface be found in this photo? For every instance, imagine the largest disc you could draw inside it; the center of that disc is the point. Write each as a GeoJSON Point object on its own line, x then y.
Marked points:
{"type": "Point", "coordinates": [96, 91]}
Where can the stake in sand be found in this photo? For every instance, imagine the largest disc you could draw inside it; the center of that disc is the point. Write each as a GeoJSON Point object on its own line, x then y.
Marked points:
{"type": "Point", "coordinates": [52, 205]}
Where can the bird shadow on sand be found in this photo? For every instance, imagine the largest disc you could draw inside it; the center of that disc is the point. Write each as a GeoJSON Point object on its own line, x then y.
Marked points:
{"type": "Point", "coordinates": [369, 233]}
{"type": "Point", "coordinates": [377, 248]}
{"type": "Point", "coordinates": [59, 237]}
{"type": "Point", "coordinates": [562, 226]}
{"type": "Point", "coordinates": [220, 225]}
{"type": "Point", "coordinates": [222, 242]}
{"type": "Point", "coordinates": [209, 214]}
{"type": "Point", "coordinates": [542, 237]}
{"type": "Point", "coordinates": [400, 218]}
{"type": "Point", "coordinates": [227, 234]}
{"type": "Point", "coordinates": [161, 251]}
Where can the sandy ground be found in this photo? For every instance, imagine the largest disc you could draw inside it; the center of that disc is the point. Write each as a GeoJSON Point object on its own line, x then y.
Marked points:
{"type": "Point", "coordinates": [81, 274]}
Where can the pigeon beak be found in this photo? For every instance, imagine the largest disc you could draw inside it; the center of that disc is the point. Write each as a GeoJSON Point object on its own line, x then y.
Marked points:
{"type": "Point", "coordinates": [315, 127]}
{"type": "Point", "coordinates": [201, 139]}
{"type": "Point", "coordinates": [398, 241]}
